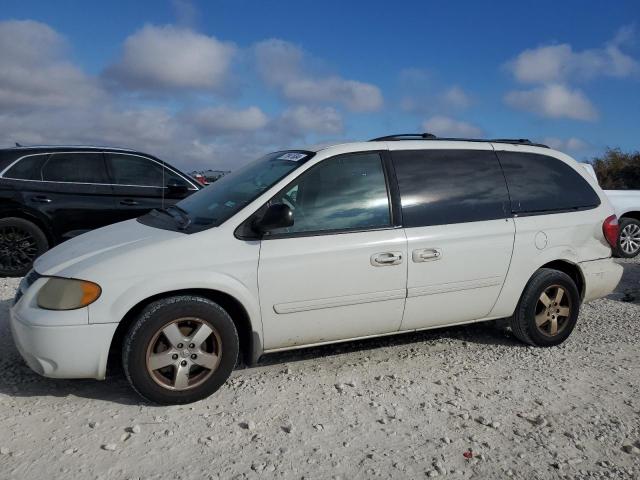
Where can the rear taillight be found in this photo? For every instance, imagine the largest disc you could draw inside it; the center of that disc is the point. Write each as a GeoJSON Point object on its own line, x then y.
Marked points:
{"type": "Point", "coordinates": [611, 230]}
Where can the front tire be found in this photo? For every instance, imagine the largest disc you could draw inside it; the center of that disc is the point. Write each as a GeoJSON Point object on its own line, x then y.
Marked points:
{"type": "Point", "coordinates": [21, 242]}
{"type": "Point", "coordinates": [548, 309]}
{"type": "Point", "coordinates": [180, 350]}
{"type": "Point", "coordinates": [629, 238]}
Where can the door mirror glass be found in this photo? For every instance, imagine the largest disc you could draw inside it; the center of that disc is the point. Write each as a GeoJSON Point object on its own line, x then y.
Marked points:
{"type": "Point", "coordinates": [277, 215]}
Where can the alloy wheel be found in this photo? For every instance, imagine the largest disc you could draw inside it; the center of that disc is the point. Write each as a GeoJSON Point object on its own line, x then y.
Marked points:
{"type": "Point", "coordinates": [184, 353]}
{"type": "Point", "coordinates": [630, 239]}
{"type": "Point", "coordinates": [553, 310]}
{"type": "Point", "coordinates": [18, 248]}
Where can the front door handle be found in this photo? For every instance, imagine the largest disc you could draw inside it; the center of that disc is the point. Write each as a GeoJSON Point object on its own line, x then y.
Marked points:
{"type": "Point", "coordinates": [41, 199]}
{"type": "Point", "coordinates": [386, 259]}
{"type": "Point", "coordinates": [128, 202]}
{"type": "Point", "coordinates": [426, 255]}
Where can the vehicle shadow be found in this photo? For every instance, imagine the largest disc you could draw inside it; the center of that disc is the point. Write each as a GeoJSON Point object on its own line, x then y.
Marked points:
{"type": "Point", "coordinates": [628, 290]}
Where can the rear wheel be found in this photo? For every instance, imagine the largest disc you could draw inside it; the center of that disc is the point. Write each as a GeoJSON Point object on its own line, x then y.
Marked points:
{"type": "Point", "coordinates": [629, 238]}
{"type": "Point", "coordinates": [548, 310]}
{"type": "Point", "coordinates": [180, 350]}
{"type": "Point", "coordinates": [21, 242]}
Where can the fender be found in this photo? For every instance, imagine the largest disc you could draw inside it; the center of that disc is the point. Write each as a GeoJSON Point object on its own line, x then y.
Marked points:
{"type": "Point", "coordinates": [124, 299]}
{"type": "Point", "coordinates": [519, 274]}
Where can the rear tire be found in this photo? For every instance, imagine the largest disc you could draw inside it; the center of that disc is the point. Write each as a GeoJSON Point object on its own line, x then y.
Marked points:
{"type": "Point", "coordinates": [21, 242]}
{"type": "Point", "coordinates": [548, 309]}
{"type": "Point", "coordinates": [180, 350]}
{"type": "Point", "coordinates": [628, 245]}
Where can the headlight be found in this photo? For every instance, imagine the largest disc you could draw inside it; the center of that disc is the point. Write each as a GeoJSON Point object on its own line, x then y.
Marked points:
{"type": "Point", "coordinates": [67, 294]}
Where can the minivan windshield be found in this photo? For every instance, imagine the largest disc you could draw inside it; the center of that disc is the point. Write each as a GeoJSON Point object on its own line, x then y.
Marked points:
{"type": "Point", "coordinates": [219, 201]}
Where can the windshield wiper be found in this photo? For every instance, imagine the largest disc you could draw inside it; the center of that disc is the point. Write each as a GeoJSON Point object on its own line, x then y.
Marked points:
{"type": "Point", "coordinates": [182, 216]}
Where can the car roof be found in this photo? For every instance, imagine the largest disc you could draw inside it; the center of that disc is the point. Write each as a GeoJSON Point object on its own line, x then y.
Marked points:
{"type": "Point", "coordinates": [66, 148]}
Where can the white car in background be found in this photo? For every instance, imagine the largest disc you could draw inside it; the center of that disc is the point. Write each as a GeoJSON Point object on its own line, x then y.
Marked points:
{"type": "Point", "coordinates": [627, 206]}
{"type": "Point", "coordinates": [303, 248]}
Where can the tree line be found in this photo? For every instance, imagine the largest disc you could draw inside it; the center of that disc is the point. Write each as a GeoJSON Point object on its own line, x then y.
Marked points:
{"type": "Point", "coordinates": [618, 170]}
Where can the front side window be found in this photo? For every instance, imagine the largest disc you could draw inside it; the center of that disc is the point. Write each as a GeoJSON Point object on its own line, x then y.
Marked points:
{"type": "Point", "coordinates": [75, 168]}
{"type": "Point", "coordinates": [133, 170]}
{"type": "Point", "coordinates": [539, 183]}
{"type": "Point", "coordinates": [347, 192]}
{"type": "Point", "coordinates": [439, 187]}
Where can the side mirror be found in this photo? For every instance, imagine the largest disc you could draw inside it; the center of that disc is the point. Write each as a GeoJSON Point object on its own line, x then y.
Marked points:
{"type": "Point", "coordinates": [175, 188]}
{"type": "Point", "coordinates": [277, 215]}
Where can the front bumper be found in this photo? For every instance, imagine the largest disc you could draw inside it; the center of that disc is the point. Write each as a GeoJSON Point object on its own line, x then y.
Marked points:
{"type": "Point", "coordinates": [62, 351]}
{"type": "Point", "coordinates": [601, 277]}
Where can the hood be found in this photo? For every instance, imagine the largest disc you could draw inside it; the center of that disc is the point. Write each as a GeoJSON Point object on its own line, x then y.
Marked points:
{"type": "Point", "coordinates": [100, 244]}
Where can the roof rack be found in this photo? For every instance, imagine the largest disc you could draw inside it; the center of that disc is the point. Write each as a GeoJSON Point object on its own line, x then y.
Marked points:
{"type": "Point", "coordinates": [430, 136]}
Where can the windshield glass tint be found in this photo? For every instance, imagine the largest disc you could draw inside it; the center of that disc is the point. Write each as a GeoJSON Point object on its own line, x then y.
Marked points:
{"type": "Point", "coordinates": [219, 201]}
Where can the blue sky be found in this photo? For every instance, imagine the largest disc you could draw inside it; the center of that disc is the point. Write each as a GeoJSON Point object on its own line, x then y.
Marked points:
{"type": "Point", "coordinates": [213, 84]}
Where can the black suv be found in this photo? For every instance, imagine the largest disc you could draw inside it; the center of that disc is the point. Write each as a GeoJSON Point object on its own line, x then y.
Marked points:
{"type": "Point", "coordinates": [50, 194]}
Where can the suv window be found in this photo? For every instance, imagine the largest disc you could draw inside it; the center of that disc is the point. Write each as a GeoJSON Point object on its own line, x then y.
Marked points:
{"type": "Point", "coordinates": [29, 168]}
{"type": "Point", "coordinates": [81, 167]}
{"type": "Point", "coordinates": [139, 171]}
{"type": "Point", "coordinates": [347, 192]}
{"type": "Point", "coordinates": [439, 187]}
{"type": "Point", "coordinates": [539, 183]}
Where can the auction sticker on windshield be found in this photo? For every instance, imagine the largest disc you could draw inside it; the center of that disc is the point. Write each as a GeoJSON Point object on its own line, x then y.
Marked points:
{"type": "Point", "coordinates": [293, 156]}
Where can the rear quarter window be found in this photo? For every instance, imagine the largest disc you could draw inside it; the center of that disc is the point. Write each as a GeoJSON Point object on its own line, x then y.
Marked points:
{"type": "Point", "coordinates": [540, 184]}
{"type": "Point", "coordinates": [28, 168]}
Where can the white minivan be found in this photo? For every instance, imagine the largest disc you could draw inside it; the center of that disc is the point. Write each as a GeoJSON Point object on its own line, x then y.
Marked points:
{"type": "Point", "coordinates": [303, 247]}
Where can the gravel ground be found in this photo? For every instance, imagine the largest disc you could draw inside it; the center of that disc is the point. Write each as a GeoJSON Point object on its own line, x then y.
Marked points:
{"type": "Point", "coordinates": [408, 406]}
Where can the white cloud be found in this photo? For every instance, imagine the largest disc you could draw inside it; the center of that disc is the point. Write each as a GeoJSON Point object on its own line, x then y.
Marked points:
{"type": "Point", "coordinates": [225, 119]}
{"type": "Point", "coordinates": [281, 64]}
{"type": "Point", "coordinates": [170, 58]}
{"type": "Point", "coordinates": [448, 127]}
{"type": "Point", "coordinates": [34, 72]}
{"type": "Point", "coordinates": [456, 97]}
{"type": "Point", "coordinates": [553, 101]}
{"type": "Point", "coordinates": [303, 119]}
{"type": "Point", "coordinates": [558, 63]}
{"type": "Point", "coordinates": [571, 144]}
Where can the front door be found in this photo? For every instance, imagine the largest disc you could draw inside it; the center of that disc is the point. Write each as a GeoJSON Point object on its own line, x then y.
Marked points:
{"type": "Point", "coordinates": [456, 214]}
{"type": "Point", "coordinates": [141, 184]}
{"type": "Point", "coordinates": [340, 271]}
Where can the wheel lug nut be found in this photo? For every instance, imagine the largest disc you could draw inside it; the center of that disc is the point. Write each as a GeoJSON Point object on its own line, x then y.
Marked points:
{"type": "Point", "coordinates": [183, 363]}
{"type": "Point", "coordinates": [180, 345]}
{"type": "Point", "coordinates": [174, 356]}
{"type": "Point", "coordinates": [192, 345]}
{"type": "Point", "coordinates": [194, 356]}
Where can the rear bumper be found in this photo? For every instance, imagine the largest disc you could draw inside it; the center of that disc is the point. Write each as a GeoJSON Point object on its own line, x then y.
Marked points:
{"type": "Point", "coordinates": [601, 277]}
{"type": "Point", "coordinates": [73, 351]}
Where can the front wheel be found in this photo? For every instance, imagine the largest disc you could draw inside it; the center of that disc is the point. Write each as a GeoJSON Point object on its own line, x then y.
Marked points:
{"type": "Point", "coordinates": [180, 350]}
{"type": "Point", "coordinates": [548, 309]}
{"type": "Point", "coordinates": [21, 242]}
{"type": "Point", "coordinates": [629, 238]}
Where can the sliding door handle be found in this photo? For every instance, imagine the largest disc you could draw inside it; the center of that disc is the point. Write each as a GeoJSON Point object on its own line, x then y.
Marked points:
{"type": "Point", "coordinates": [426, 255]}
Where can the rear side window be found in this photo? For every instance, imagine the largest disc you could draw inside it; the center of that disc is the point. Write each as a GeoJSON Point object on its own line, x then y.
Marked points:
{"type": "Point", "coordinates": [29, 168]}
{"type": "Point", "coordinates": [75, 168]}
{"type": "Point", "coordinates": [439, 187]}
{"type": "Point", "coordinates": [539, 184]}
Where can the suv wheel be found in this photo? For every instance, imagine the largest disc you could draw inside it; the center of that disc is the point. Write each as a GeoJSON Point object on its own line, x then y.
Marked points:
{"type": "Point", "coordinates": [180, 350]}
{"type": "Point", "coordinates": [21, 242]}
{"type": "Point", "coordinates": [548, 309]}
{"type": "Point", "coordinates": [629, 238]}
